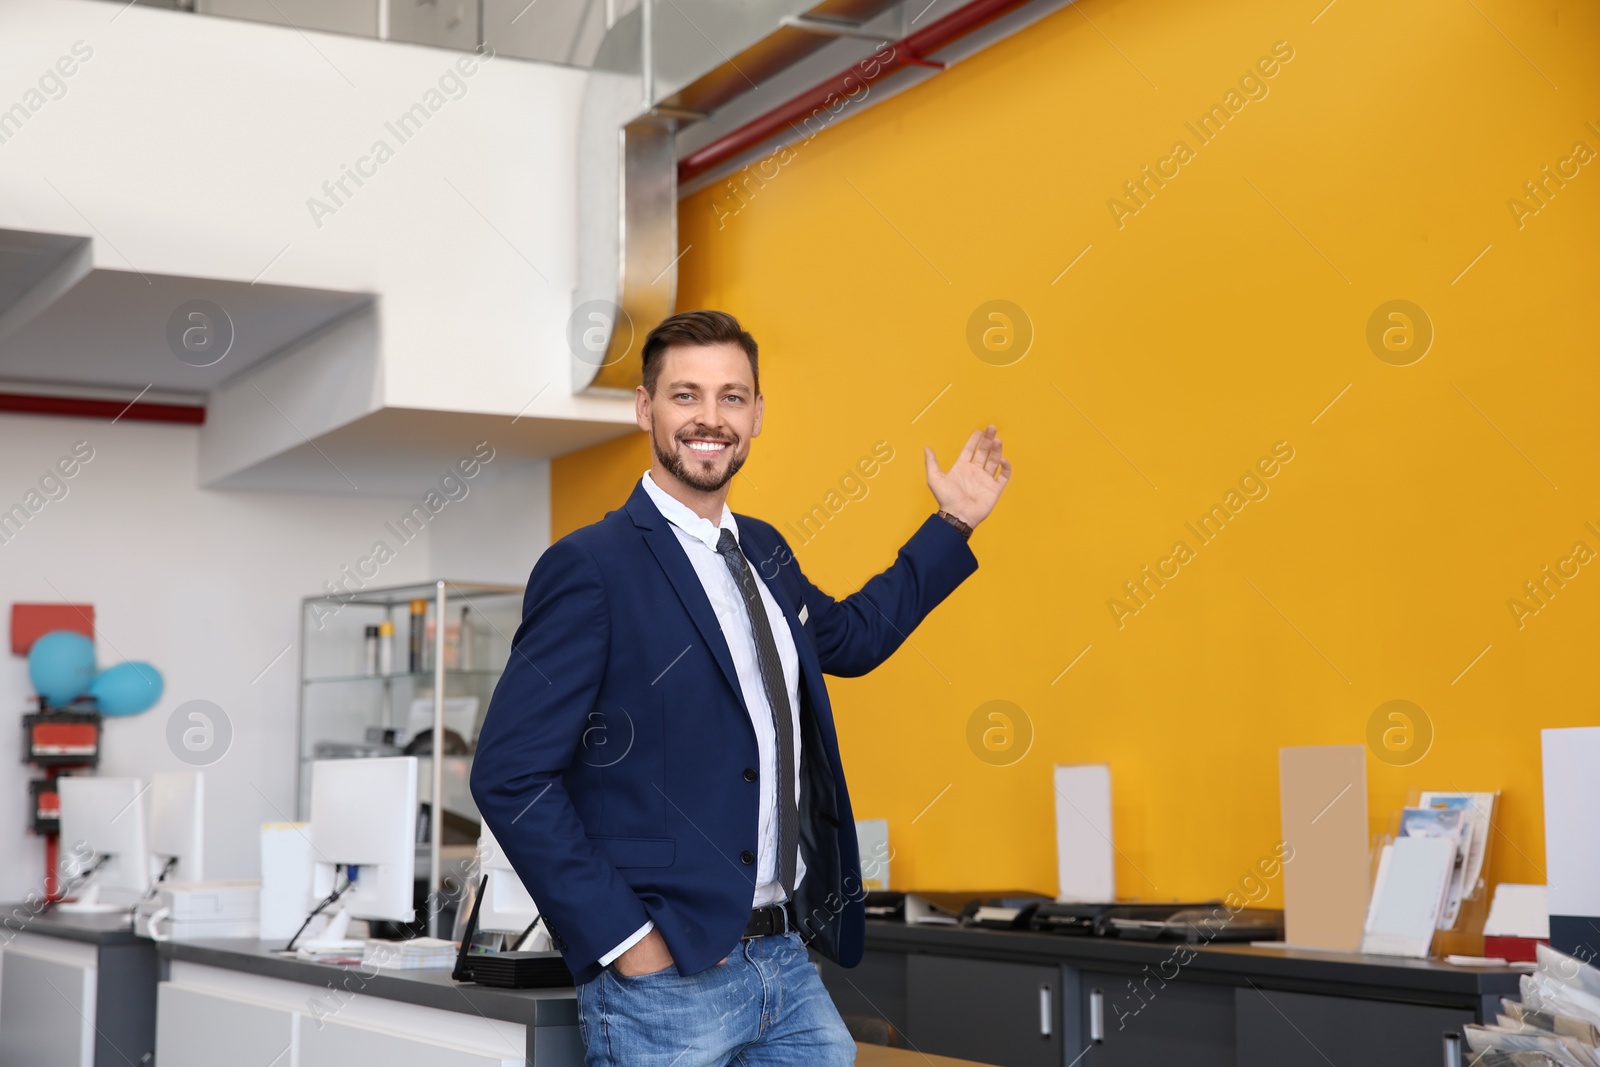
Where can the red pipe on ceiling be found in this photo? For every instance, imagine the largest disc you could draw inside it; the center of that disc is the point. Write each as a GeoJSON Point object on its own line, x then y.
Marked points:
{"type": "Point", "coordinates": [906, 52]}
{"type": "Point", "coordinates": [85, 408]}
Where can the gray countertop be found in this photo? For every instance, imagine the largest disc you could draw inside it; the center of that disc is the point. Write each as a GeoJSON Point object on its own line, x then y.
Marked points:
{"type": "Point", "coordinates": [1352, 974]}
{"type": "Point", "coordinates": [1346, 973]}
{"type": "Point", "coordinates": [94, 928]}
{"type": "Point", "coordinates": [427, 988]}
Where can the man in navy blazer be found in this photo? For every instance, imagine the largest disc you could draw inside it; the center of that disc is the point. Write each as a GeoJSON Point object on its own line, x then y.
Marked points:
{"type": "Point", "coordinates": [659, 760]}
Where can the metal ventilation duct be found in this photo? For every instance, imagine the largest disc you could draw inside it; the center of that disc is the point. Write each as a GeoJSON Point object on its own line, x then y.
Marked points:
{"type": "Point", "coordinates": [627, 213]}
{"type": "Point", "coordinates": [659, 67]}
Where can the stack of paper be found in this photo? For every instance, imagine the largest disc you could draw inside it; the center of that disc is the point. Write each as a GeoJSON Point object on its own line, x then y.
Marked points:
{"type": "Point", "coordinates": [415, 954]}
{"type": "Point", "coordinates": [1435, 863]}
{"type": "Point", "coordinates": [1557, 1023]}
{"type": "Point", "coordinates": [921, 909]}
{"type": "Point", "coordinates": [346, 950]}
{"type": "Point", "coordinates": [1476, 818]}
{"type": "Point", "coordinates": [1520, 911]}
{"type": "Point", "coordinates": [1448, 824]}
{"type": "Point", "coordinates": [1409, 896]}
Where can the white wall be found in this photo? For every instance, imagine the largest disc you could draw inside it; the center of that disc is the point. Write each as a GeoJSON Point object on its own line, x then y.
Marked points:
{"type": "Point", "coordinates": [191, 145]}
{"type": "Point", "coordinates": [206, 585]}
{"type": "Point", "coordinates": [487, 538]}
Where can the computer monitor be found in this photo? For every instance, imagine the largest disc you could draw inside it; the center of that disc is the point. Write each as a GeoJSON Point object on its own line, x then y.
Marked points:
{"type": "Point", "coordinates": [177, 825]}
{"type": "Point", "coordinates": [364, 817]}
{"type": "Point", "coordinates": [506, 906]}
{"type": "Point", "coordinates": [104, 859]}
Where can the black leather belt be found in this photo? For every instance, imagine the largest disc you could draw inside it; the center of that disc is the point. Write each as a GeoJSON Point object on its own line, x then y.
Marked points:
{"type": "Point", "coordinates": [772, 919]}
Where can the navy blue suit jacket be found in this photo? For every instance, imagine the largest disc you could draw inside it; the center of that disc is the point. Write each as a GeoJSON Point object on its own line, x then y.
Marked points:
{"type": "Point", "coordinates": [616, 758]}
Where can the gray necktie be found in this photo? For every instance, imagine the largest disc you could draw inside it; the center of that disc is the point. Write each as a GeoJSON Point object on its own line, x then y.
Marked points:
{"type": "Point", "coordinates": [778, 697]}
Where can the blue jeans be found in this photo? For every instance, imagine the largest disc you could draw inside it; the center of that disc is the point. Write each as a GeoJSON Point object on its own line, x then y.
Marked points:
{"type": "Point", "coordinates": [764, 1006]}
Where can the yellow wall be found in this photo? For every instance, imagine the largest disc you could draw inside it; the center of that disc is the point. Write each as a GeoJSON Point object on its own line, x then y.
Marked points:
{"type": "Point", "coordinates": [1220, 318]}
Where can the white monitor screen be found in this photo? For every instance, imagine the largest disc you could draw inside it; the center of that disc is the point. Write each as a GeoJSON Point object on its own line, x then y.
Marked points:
{"type": "Point", "coordinates": [506, 904]}
{"type": "Point", "coordinates": [103, 818]}
{"type": "Point", "coordinates": [177, 823]}
{"type": "Point", "coordinates": [364, 816]}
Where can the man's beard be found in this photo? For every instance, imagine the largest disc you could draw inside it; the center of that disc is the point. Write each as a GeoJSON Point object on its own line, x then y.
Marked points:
{"type": "Point", "coordinates": [673, 462]}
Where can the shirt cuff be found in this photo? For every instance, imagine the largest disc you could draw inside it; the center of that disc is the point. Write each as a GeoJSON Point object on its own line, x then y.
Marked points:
{"type": "Point", "coordinates": [633, 939]}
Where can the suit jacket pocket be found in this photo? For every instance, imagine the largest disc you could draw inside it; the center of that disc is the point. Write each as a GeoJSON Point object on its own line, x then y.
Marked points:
{"type": "Point", "coordinates": [637, 851]}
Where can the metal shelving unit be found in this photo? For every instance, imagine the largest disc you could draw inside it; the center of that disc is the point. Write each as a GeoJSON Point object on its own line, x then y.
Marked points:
{"type": "Point", "coordinates": [347, 712]}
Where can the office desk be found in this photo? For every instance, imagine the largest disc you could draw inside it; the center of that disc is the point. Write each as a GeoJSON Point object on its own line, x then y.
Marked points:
{"type": "Point", "coordinates": [238, 1002]}
{"type": "Point", "coordinates": [75, 990]}
{"type": "Point", "coordinates": [1022, 999]}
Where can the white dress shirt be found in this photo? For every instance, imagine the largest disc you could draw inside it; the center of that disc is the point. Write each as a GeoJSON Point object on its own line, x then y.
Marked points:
{"type": "Point", "coordinates": [699, 538]}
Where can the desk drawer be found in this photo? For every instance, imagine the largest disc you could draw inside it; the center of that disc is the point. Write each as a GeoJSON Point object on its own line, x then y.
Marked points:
{"type": "Point", "coordinates": [1141, 1021]}
{"type": "Point", "coordinates": [1278, 1029]}
{"type": "Point", "coordinates": [998, 1013]}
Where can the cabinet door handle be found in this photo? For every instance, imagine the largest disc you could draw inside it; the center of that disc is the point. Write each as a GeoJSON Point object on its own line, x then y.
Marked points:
{"type": "Point", "coordinates": [1046, 1012]}
{"type": "Point", "coordinates": [1097, 1016]}
{"type": "Point", "coordinates": [1452, 1050]}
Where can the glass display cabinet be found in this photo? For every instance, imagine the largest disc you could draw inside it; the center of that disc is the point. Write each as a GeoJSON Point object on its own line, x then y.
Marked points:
{"type": "Point", "coordinates": [381, 676]}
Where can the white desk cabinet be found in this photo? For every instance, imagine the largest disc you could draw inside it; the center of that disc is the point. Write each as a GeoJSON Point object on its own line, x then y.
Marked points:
{"type": "Point", "coordinates": [210, 1015]}
{"type": "Point", "coordinates": [338, 1044]}
{"type": "Point", "coordinates": [47, 1007]}
{"type": "Point", "coordinates": [193, 1026]}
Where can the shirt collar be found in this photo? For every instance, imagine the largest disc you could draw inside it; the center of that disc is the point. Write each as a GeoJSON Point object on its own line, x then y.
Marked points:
{"type": "Point", "coordinates": [683, 517]}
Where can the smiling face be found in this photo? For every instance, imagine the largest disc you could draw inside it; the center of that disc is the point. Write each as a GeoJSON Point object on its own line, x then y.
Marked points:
{"type": "Point", "coordinates": [701, 419]}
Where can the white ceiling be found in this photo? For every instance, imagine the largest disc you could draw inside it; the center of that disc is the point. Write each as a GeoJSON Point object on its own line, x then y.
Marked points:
{"type": "Point", "coordinates": [69, 328]}
{"type": "Point", "coordinates": [395, 451]}
{"type": "Point", "coordinates": [26, 259]}
{"type": "Point", "coordinates": [109, 328]}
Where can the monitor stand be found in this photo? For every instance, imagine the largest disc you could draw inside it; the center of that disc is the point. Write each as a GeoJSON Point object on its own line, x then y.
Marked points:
{"type": "Point", "coordinates": [89, 903]}
{"type": "Point", "coordinates": [332, 938]}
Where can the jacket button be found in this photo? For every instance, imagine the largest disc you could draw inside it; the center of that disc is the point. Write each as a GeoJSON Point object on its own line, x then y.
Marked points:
{"type": "Point", "coordinates": [747, 856]}
{"type": "Point", "coordinates": [750, 774]}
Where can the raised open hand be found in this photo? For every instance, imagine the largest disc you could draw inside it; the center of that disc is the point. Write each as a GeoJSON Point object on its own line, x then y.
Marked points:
{"type": "Point", "coordinates": [972, 485]}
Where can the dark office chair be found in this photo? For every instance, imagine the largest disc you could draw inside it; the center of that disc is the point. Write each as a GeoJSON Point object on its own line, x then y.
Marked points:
{"type": "Point", "coordinates": [871, 1030]}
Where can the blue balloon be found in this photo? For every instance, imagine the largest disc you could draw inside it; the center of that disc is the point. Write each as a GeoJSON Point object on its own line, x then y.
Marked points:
{"type": "Point", "coordinates": [127, 689]}
{"type": "Point", "coordinates": [61, 666]}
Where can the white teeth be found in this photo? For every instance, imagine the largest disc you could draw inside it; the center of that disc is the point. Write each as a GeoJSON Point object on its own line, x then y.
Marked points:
{"type": "Point", "coordinates": [699, 447]}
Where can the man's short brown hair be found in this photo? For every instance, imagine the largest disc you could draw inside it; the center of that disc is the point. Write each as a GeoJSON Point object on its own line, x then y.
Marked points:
{"type": "Point", "coordinates": [695, 328]}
